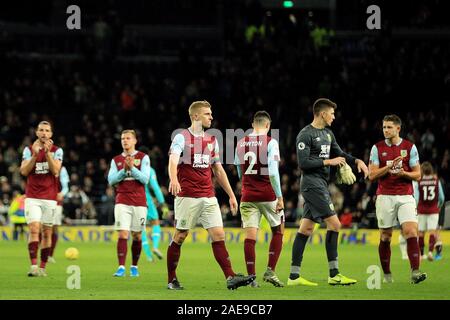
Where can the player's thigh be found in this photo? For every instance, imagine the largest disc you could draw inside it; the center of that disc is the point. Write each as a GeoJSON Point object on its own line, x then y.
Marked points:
{"type": "Point", "coordinates": [432, 221]}
{"type": "Point", "coordinates": [318, 204]}
{"type": "Point", "coordinates": [187, 212]}
{"type": "Point", "coordinates": [138, 219]}
{"type": "Point", "coordinates": [269, 211]}
{"type": "Point", "coordinates": [122, 217]}
{"type": "Point", "coordinates": [57, 221]}
{"type": "Point", "coordinates": [386, 211]}
{"type": "Point", "coordinates": [48, 212]}
{"type": "Point", "coordinates": [407, 210]}
{"type": "Point", "coordinates": [210, 216]}
{"type": "Point", "coordinates": [250, 214]}
{"type": "Point", "coordinates": [422, 221]}
{"type": "Point", "coordinates": [33, 210]}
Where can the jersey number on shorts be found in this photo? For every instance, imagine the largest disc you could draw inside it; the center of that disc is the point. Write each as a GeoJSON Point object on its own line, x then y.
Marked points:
{"type": "Point", "coordinates": [429, 192]}
{"type": "Point", "coordinates": [252, 157]}
{"type": "Point", "coordinates": [142, 221]}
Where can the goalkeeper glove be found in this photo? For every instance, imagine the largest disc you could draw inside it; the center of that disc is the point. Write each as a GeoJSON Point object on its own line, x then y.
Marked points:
{"type": "Point", "coordinates": [345, 175]}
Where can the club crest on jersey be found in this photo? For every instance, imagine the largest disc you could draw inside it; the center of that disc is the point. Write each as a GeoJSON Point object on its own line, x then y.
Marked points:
{"type": "Point", "coordinates": [329, 137]}
{"type": "Point", "coordinates": [137, 162]}
{"type": "Point", "coordinates": [384, 154]}
{"type": "Point", "coordinates": [210, 146]}
{"type": "Point", "coordinates": [403, 153]}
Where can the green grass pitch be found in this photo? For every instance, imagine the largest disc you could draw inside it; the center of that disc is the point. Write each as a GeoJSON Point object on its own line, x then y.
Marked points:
{"type": "Point", "coordinates": [202, 278]}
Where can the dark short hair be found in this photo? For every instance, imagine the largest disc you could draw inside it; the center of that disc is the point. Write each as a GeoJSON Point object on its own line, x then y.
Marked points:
{"type": "Point", "coordinates": [394, 118]}
{"type": "Point", "coordinates": [260, 116]}
{"type": "Point", "coordinates": [427, 168]}
{"type": "Point", "coordinates": [322, 104]}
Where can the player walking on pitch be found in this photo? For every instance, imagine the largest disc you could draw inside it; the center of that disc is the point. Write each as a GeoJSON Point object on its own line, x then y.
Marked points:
{"type": "Point", "coordinates": [191, 184]}
{"type": "Point", "coordinates": [129, 173]}
{"type": "Point", "coordinates": [394, 162]}
{"type": "Point", "coordinates": [316, 144]}
{"type": "Point", "coordinates": [41, 163]}
{"type": "Point", "coordinates": [257, 156]}
{"type": "Point", "coordinates": [429, 195]}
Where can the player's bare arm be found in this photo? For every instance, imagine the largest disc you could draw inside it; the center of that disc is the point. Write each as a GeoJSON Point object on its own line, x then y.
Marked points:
{"type": "Point", "coordinates": [280, 204]}
{"type": "Point", "coordinates": [174, 185]}
{"type": "Point", "coordinates": [361, 166]}
{"type": "Point", "coordinates": [375, 172]}
{"type": "Point", "coordinates": [222, 179]}
{"type": "Point", "coordinates": [54, 165]}
{"type": "Point", "coordinates": [414, 174]}
{"type": "Point", "coordinates": [27, 165]}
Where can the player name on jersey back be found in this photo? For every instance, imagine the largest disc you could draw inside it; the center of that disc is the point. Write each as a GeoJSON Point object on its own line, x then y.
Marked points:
{"type": "Point", "coordinates": [253, 154]}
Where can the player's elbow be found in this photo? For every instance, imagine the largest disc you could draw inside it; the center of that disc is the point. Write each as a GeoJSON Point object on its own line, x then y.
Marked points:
{"type": "Point", "coordinates": [24, 172]}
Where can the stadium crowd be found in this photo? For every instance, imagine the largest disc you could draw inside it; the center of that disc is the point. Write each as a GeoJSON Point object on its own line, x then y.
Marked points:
{"type": "Point", "coordinates": [278, 65]}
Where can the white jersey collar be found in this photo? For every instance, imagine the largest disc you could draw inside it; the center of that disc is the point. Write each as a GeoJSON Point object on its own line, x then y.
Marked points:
{"type": "Point", "coordinates": [390, 145]}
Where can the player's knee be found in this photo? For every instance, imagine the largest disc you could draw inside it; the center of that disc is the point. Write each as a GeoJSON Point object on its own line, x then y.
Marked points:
{"type": "Point", "coordinates": [277, 230]}
{"type": "Point", "coordinates": [218, 236]}
{"type": "Point", "coordinates": [410, 233]}
{"type": "Point", "coordinates": [386, 236]}
{"type": "Point", "coordinates": [336, 226]}
{"type": "Point", "coordinates": [180, 237]}
{"type": "Point", "coordinates": [136, 236]}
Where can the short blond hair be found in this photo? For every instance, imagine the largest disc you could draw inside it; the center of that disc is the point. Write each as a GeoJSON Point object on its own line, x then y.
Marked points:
{"type": "Point", "coordinates": [197, 105]}
{"type": "Point", "coordinates": [133, 132]}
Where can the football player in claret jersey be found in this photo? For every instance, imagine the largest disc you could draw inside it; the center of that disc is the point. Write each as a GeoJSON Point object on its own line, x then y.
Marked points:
{"type": "Point", "coordinates": [41, 163]}
{"type": "Point", "coordinates": [129, 173]}
{"type": "Point", "coordinates": [394, 162]}
{"type": "Point", "coordinates": [429, 195]}
{"type": "Point", "coordinates": [192, 156]}
{"type": "Point", "coordinates": [63, 188]}
{"type": "Point", "coordinates": [257, 156]}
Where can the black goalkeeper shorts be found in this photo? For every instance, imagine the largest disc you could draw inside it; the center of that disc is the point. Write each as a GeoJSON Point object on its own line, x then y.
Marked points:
{"type": "Point", "coordinates": [318, 205]}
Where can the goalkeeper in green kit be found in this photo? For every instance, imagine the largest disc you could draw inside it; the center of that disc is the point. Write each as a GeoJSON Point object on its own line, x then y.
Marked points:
{"type": "Point", "coordinates": [316, 145]}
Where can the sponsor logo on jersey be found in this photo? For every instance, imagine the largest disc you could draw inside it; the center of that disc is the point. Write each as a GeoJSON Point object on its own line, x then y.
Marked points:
{"type": "Point", "coordinates": [325, 151]}
{"type": "Point", "coordinates": [201, 160]}
{"type": "Point", "coordinates": [41, 168]}
{"type": "Point", "coordinates": [403, 153]}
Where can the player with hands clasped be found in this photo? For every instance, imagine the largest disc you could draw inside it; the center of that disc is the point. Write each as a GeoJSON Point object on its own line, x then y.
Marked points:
{"type": "Point", "coordinates": [394, 162]}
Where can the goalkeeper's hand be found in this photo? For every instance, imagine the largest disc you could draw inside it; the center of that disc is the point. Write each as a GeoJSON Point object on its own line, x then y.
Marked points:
{"type": "Point", "coordinates": [345, 175]}
{"type": "Point", "coordinates": [165, 211]}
